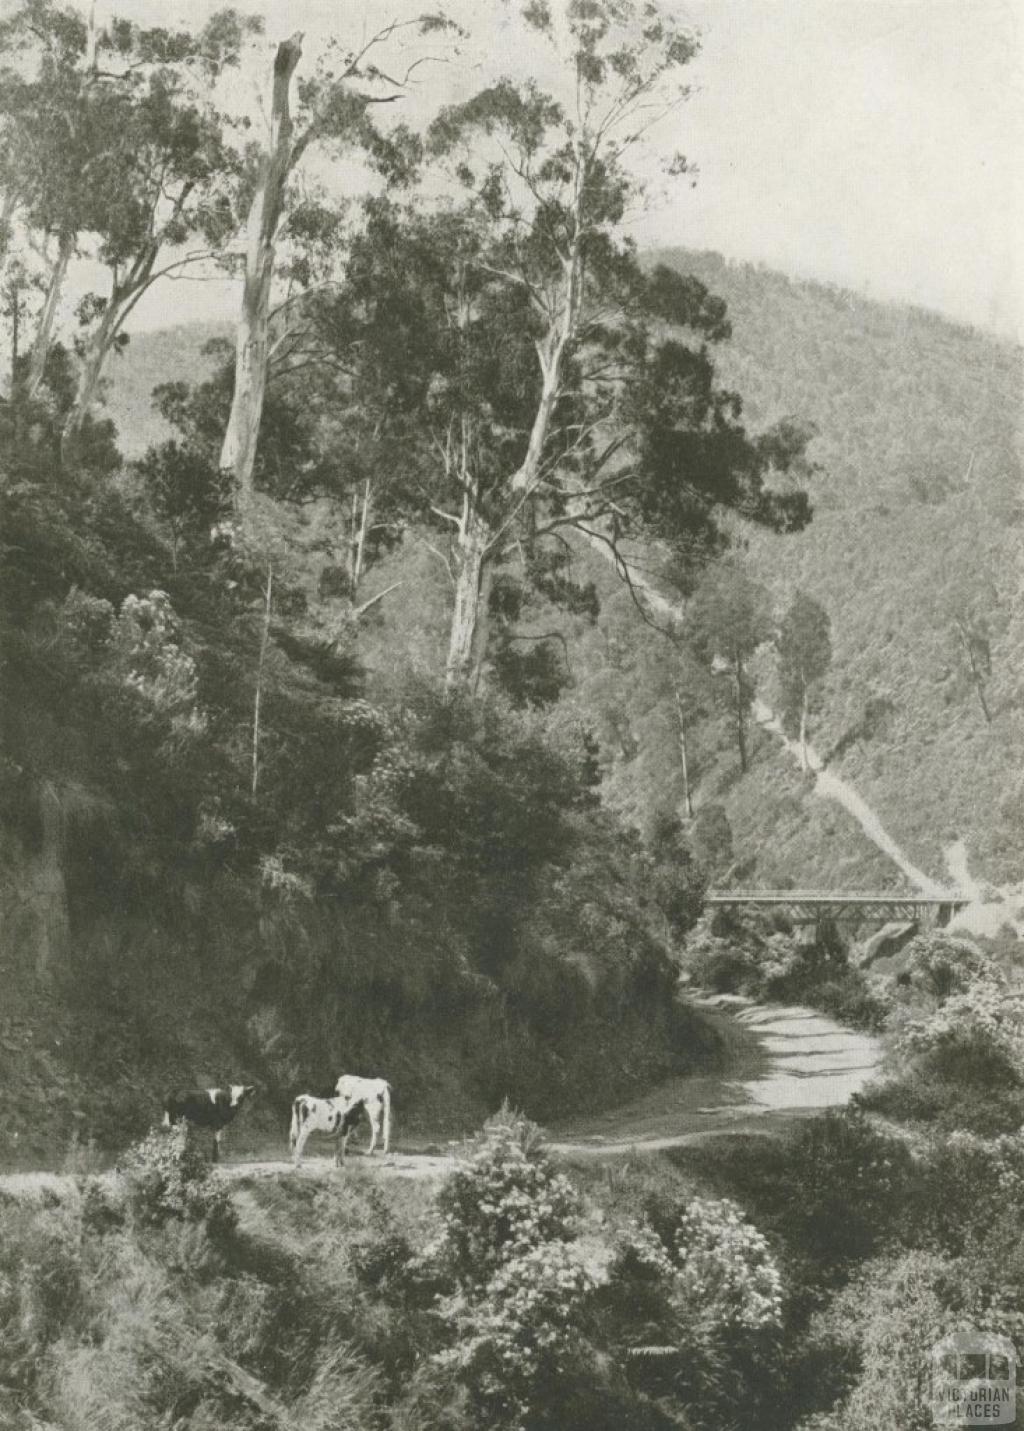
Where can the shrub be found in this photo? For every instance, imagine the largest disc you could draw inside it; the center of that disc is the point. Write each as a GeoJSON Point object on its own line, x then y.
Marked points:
{"type": "Point", "coordinates": [165, 1178]}
{"type": "Point", "coordinates": [957, 1039]}
{"type": "Point", "coordinates": [505, 1201]}
{"type": "Point", "coordinates": [835, 1190]}
{"type": "Point", "coordinates": [692, 1306]}
{"type": "Point", "coordinates": [726, 1267]}
{"type": "Point", "coordinates": [511, 1318]}
{"type": "Point", "coordinates": [969, 1186]}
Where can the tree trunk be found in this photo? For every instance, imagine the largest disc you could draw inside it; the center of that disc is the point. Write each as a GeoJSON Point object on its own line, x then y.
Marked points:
{"type": "Point", "coordinates": [44, 333]}
{"type": "Point", "coordinates": [741, 724]}
{"type": "Point", "coordinates": [258, 697]}
{"type": "Point", "coordinates": [687, 801]}
{"type": "Point", "coordinates": [238, 452]}
{"type": "Point", "coordinates": [361, 509]}
{"type": "Point", "coordinates": [467, 643]}
{"type": "Point", "coordinates": [803, 730]}
{"type": "Point", "coordinates": [99, 346]}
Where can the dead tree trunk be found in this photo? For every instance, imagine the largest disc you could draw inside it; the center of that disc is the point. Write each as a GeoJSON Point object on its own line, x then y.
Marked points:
{"type": "Point", "coordinates": [238, 452]}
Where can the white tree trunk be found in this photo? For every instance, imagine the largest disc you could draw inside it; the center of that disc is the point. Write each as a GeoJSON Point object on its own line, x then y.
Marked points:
{"type": "Point", "coordinates": [238, 452]}
{"type": "Point", "coordinates": [44, 333]}
{"type": "Point", "coordinates": [684, 763]}
{"type": "Point", "coordinates": [467, 643]}
{"type": "Point", "coordinates": [96, 352]}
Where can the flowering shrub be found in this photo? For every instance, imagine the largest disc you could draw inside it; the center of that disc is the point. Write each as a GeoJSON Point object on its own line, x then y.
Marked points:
{"type": "Point", "coordinates": [986, 1017]}
{"type": "Point", "coordinates": [726, 1265]}
{"type": "Point", "coordinates": [516, 1331]}
{"type": "Point", "coordinates": [502, 1204]}
{"type": "Point", "coordinates": [508, 1222]}
{"type": "Point", "coordinates": [166, 1178]}
{"type": "Point", "coordinates": [938, 965]}
{"type": "Point", "coordinates": [146, 654]}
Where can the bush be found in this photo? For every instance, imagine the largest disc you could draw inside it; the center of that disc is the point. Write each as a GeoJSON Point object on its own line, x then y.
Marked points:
{"type": "Point", "coordinates": [836, 1190]}
{"type": "Point", "coordinates": [733, 954]}
{"type": "Point", "coordinates": [507, 1200]}
{"type": "Point", "coordinates": [511, 1318]}
{"type": "Point", "coordinates": [166, 1178]}
{"type": "Point", "coordinates": [957, 1038]}
{"type": "Point", "coordinates": [692, 1304]}
{"type": "Point", "coordinates": [726, 1267]}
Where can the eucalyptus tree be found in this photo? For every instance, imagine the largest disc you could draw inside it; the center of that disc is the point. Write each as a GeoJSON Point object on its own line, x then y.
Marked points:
{"type": "Point", "coordinates": [123, 153]}
{"type": "Point", "coordinates": [524, 344]}
{"type": "Point", "coordinates": [47, 85]}
{"type": "Point", "coordinates": [333, 114]}
{"type": "Point", "coordinates": [730, 617]}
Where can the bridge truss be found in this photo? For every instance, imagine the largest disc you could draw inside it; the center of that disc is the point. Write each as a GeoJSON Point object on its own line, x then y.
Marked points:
{"type": "Point", "coordinates": [813, 906]}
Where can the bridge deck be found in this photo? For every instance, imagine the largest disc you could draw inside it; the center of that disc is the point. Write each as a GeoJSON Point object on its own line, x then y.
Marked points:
{"type": "Point", "coordinates": [809, 905]}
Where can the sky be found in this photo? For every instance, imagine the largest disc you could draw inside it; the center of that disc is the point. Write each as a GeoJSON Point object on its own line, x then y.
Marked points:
{"type": "Point", "coordinates": [873, 143]}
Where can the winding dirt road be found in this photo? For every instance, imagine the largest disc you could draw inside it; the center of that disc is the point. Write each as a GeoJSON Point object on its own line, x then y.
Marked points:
{"type": "Point", "coordinates": [783, 1062]}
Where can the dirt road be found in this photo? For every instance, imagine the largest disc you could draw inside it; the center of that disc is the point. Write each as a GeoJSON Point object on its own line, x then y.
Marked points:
{"type": "Point", "coordinates": [782, 1062]}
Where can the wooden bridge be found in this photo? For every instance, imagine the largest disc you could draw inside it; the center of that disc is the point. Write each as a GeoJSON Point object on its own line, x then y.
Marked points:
{"type": "Point", "coordinates": [812, 906]}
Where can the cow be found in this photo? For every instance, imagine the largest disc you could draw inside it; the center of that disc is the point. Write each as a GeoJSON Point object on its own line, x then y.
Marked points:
{"type": "Point", "coordinates": [375, 1096]}
{"type": "Point", "coordinates": [212, 1108]}
{"type": "Point", "coordinates": [334, 1116]}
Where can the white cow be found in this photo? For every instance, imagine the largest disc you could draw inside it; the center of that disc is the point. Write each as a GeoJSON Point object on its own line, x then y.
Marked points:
{"type": "Point", "coordinates": [373, 1094]}
{"type": "Point", "coordinates": [334, 1116]}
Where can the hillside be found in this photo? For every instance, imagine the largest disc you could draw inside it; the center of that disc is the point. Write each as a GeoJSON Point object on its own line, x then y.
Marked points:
{"type": "Point", "coordinates": [915, 541]}
{"type": "Point", "coordinates": [168, 355]}
{"type": "Point", "coordinates": [916, 537]}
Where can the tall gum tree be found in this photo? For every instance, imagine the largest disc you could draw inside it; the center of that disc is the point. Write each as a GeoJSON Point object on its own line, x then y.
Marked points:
{"type": "Point", "coordinates": [164, 171]}
{"type": "Point", "coordinates": [333, 113]}
{"type": "Point", "coordinates": [49, 88]}
{"type": "Point", "coordinates": [561, 385]}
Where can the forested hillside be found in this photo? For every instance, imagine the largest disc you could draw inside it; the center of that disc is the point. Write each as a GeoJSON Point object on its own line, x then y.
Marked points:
{"type": "Point", "coordinates": [914, 551]}
{"type": "Point", "coordinates": [287, 786]}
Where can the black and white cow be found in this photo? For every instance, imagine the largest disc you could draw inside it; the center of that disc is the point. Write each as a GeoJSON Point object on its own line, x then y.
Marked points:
{"type": "Point", "coordinates": [375, 1096]}
{"type": "Point", "coordinates": [212, 1108]}
{"type": "Point", "coordinates": [334, 1116]}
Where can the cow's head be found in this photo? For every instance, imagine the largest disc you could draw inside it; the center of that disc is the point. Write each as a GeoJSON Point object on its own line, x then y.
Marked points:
{"type": "Point", "coordinates": [240, 1092]}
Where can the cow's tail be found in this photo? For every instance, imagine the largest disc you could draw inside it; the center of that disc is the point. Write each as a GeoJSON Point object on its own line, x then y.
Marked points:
{"type": "Point", "coordinates": [387, 1117]}
{"type": "Point", "coordinates": [293, 1132]}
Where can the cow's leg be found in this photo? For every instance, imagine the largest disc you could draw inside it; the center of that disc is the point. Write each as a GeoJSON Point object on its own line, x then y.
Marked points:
{"type": "Point", "coordinates": [216, 1145]}
{"type": "Point", "coordinates": [374, 1118]}
{"type": "Point", "coordinates": [300, 1143]}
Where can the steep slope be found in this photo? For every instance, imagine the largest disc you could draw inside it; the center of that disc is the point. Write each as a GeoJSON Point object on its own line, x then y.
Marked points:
{"type": "Point", "coordinates": [915, 549]}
